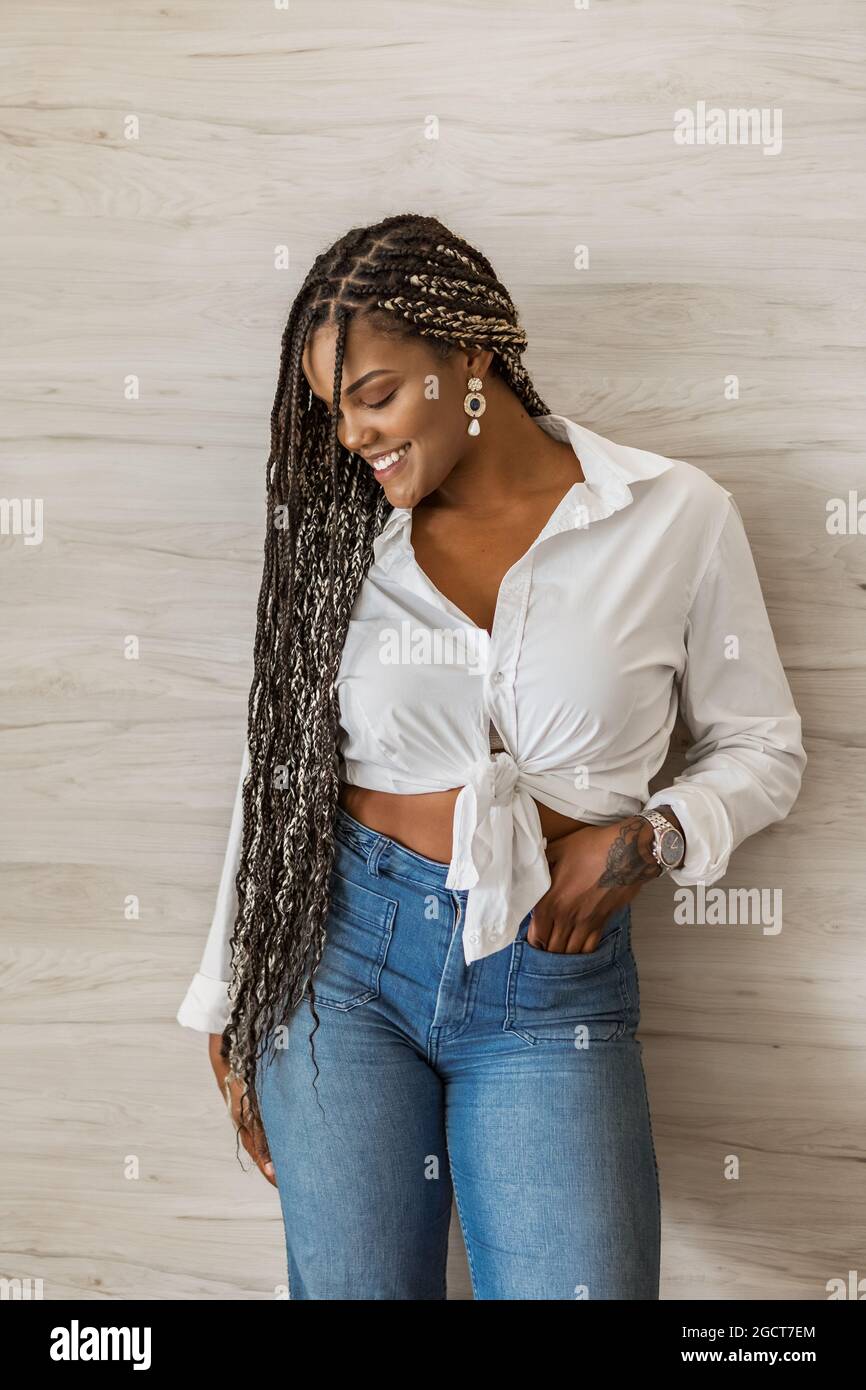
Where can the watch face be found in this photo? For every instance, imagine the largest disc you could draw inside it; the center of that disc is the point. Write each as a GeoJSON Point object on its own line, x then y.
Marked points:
{"type": "Point", "coordinates": [671, 847]}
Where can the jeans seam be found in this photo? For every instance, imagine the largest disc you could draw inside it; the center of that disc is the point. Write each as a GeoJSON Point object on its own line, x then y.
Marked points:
{"type": "Point", "coordinates": [649, 1117]}
{"type": "Point", "coordinates": [655, 1164]}
{"type": "Point", "coordinates": [466, 1240]}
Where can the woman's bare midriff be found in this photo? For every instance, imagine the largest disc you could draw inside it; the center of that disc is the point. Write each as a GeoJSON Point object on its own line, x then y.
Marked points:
{"type": "Point", "coordinates": [423, 822]}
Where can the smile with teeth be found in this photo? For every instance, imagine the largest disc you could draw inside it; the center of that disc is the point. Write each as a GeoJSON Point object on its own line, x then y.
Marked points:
{"type": "Point", "coordinates": [388, 460]}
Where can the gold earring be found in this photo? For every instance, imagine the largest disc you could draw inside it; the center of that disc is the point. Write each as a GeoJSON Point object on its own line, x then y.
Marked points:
{"type": "Point", "coordinates": [474, 404]}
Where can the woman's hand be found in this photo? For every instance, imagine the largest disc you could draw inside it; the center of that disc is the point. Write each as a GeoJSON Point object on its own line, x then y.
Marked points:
{"type": "Point", "coordinates": [232, 1092]}
{"type": "Point", "coordinates": [593, 871]}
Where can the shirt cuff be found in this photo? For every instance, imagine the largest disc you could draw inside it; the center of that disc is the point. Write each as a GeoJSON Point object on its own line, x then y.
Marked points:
{"type": "Point", "coordinates": [206, 1006]}
{"type": "Point", "coordinates": [707, 829]}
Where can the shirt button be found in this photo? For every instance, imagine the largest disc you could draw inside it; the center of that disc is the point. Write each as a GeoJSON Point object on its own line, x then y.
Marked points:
{"type": "Point", "coordinates": [498, 676]}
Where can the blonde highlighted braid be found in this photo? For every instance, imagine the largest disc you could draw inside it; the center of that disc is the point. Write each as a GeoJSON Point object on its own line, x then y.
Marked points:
{"type": "Point", "coordinates": [412, 277]}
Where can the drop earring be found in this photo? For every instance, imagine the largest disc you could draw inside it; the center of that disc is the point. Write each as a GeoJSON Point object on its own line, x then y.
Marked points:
{"type": "Point", "coordinates": [474, 404]}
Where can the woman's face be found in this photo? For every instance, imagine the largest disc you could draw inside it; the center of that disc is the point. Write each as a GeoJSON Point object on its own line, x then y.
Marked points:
{"type": "Point", "coordinates": [397, 396]}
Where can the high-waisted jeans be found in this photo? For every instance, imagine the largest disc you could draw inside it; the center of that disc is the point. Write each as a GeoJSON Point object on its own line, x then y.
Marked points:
{"type": "Point", "coordinates": [515, 1083]}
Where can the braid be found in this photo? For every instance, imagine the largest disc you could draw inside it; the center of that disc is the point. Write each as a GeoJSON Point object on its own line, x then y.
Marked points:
{"type": "Point", "coordinates": [324, 510]}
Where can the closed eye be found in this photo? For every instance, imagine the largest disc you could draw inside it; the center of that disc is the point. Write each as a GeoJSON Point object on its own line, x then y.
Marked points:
{"type": "Point", "coordinates": [375, 405]}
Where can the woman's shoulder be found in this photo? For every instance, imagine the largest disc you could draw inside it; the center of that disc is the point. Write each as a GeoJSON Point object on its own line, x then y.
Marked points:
{"type": "Point", "coordinates": [684, 488]}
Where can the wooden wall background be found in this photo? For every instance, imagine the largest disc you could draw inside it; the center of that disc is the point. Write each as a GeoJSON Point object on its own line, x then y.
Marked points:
{"type": "Point", "coordinates": [154, 256]}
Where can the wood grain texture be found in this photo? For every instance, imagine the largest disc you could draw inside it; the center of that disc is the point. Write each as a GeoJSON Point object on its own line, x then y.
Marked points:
{"type": "Point", "coordinates": [155, 257]}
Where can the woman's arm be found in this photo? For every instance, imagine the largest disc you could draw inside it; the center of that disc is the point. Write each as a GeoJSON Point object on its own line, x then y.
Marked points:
{"type": "Point", "coordinates": [746, 764]}
{"type": "Point", "coordinates": [206, 1004]}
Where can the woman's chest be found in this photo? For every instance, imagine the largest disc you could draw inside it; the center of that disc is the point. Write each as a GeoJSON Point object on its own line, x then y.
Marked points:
{"type": "Point", "coordinates": [578, 651]}
{"type": "Point", "coordinates": [467, 561]}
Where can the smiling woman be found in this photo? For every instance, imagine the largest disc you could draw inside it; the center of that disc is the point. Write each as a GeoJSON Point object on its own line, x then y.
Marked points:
{"type": "Point", "coordinates": [449, 847]}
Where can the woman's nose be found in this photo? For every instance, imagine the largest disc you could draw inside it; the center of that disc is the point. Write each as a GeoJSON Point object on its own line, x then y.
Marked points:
{"type": "Point", "coordinates": [356, 439]}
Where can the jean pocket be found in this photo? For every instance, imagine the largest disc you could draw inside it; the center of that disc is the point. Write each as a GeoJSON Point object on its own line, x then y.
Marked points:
{"type": "Point", "coordinates": [580, 997]}
{"type": "Point", "coordinates": [358, 931]}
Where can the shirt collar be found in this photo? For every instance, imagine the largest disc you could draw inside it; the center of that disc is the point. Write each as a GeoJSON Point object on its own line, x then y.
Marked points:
{"type": "Point", "coordinates": [608, 469]}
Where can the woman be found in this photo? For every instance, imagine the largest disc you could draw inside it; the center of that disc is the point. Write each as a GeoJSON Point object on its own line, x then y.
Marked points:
{"type": "Point", "coordinates": [476, 621]}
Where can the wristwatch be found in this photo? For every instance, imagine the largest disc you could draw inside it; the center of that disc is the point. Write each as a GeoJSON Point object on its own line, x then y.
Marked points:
{"type": "Point", "coordinates": [669, 847]}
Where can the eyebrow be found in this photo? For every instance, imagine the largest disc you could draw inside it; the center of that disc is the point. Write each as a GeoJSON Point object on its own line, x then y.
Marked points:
{"type": "Point", "coordinates": [356, 385]}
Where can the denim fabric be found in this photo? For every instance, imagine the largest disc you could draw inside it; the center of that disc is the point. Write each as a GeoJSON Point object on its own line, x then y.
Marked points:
{"type": "Point", "coordinates": [515, 1083]}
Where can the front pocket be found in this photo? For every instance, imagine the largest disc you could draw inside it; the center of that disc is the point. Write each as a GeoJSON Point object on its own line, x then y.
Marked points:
{"type": "Point", "coordinates": [358, 931]}
{"type": "Point", "coordinates": [578, 997]}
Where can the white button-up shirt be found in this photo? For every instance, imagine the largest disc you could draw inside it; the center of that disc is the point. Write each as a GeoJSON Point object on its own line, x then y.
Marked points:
{"type": "Point", "coordinates": [639, 595]}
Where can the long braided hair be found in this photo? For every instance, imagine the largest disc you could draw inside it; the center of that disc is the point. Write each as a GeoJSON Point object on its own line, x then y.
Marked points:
{"type": "Point", "coordinates": [412, 277]}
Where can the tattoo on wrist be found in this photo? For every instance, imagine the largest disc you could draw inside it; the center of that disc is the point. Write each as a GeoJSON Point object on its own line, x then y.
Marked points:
{"type": "Point", "coordinates": [626, 861]}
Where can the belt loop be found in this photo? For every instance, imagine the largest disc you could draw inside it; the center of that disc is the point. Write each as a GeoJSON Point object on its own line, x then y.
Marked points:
{"type": "Point", "coordinates": [375, 854]}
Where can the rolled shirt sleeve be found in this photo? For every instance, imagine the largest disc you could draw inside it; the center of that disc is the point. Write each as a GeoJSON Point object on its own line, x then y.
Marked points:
{"type": "Point", "coordinates": [206, 1006]}
{"type": "Point", "coordinates": [746, 764]}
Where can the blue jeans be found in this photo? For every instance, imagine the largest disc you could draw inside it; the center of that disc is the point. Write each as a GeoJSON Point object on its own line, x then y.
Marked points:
{"type": "Point", "coordinates": [515, 1083]}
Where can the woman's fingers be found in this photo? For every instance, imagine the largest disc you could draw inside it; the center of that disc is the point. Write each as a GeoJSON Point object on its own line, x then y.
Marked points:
{"type": "Point", "coordinates": [252, 1134]}
{"type": "Point", "coordinates": [257, 1148]}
